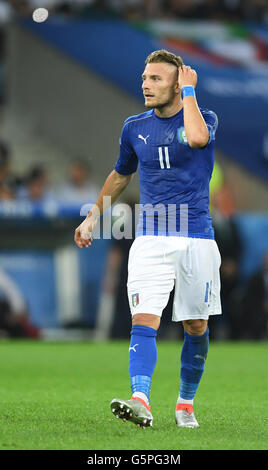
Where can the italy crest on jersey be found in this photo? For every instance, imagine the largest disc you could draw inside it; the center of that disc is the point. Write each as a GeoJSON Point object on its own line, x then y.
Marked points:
{"type": "Point", "coordinates": [135, 300]}
{"type": "Point", "coordinates": [181, 135]}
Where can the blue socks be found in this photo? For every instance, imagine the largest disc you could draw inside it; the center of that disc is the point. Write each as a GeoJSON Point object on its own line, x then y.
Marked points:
{"type": "Point", "coordinates": [142, 358]}
{"type": "Point", "coordinates": [193, 356]}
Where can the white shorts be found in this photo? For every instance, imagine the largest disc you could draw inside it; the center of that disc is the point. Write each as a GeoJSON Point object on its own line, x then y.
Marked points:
{"type": "Point", "coordinates": [157, 263]}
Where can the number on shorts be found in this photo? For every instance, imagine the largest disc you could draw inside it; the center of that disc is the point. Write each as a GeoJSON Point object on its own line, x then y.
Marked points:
{"type": "Point", "coordinates": [208, 292]}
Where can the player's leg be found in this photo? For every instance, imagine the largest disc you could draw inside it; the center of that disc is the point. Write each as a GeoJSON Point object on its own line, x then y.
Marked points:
{"type": "Point", "coordinates": [142, 362]}
{"type": "Point", "coordinates": [150, 282]}
{"type": "Point", "coordinates": [143, 355]}
{"type": "Point", "coordinates": [193, 356]}
{"type": "Point", "coordinates": [197, 295]}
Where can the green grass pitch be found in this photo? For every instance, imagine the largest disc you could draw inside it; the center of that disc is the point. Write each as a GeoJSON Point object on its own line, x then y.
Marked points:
{"type": "Point", "coordinates": [57, 395]}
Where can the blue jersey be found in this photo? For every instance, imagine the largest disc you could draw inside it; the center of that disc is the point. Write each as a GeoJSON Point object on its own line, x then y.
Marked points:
{"type": "Point", "coordinates": [174, 178]}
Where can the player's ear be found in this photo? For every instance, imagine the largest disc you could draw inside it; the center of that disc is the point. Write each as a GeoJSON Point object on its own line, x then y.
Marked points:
{"type": "Point", "coordinates": [176, 87]}
{"type": "Point", "coordinates": [176, 84]}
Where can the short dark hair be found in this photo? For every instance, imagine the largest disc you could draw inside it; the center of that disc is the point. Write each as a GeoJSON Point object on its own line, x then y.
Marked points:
{"type": "Point", "coordinates": [82, 162]}
{"type": "Point", "coordinates": [4, 154]}
{"type": "Point", "coordinates": [35, 173]}
{"type": "Point", "coordinates": [164, 56]}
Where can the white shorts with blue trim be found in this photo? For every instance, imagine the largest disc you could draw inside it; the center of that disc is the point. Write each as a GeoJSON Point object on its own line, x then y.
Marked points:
{"type": "Point", "coordinates": [157, 263]}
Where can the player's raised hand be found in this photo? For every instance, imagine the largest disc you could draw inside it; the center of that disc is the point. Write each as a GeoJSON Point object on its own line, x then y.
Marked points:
{"type": "Point", "coordinates": [187, 76]}
{"type": "Point", "coordinates": [83, 233]}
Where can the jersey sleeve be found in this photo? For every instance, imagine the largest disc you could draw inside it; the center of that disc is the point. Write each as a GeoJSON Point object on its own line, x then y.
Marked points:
{"type": "Point", "coordinates": [211, 120]}
{"type": "Point", "coordinates": [127, 161]}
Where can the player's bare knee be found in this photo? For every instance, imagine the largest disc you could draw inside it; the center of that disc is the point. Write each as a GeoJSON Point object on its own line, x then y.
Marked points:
{"type": "Point", "coordinates": [145, 319]}
{"type": "Point", "coordinates": [195, 327]}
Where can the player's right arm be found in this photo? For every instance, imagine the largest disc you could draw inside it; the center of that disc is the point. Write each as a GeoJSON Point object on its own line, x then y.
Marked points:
{"type": "Point", "coordinates": [113, 187]}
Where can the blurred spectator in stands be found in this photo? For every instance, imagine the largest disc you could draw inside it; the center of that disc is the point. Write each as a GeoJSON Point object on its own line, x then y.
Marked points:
{"type": "Point", "coordinates": [97, 8]}
{"type": "Point", "coordinates": [228, 239]}
{"type": "Point", "coordinates": [36, 187]}
{"type": "Point", "coordinates": [8, 182]}
{"type": "Point", "coordinates": [237, 10]}
{"type": "Point", "coordinates": [80, 187]}
{"type": "Point", "coordinates": [21, 8]}
{"type": "Point", "coordinates": [63, 8]}
{"type": "Point", "coordinates": [14, 318]}
{"type": "Point", "coordinates": [134, 9]}
{"type": "Point", "coordinates": [5, 190]}
{"type": "Point", "coordinates": [256, 10]}
{"type": "Point", "coordinates": [222, 10]}
{"type": "Point", "coordinates": [229, 9]}
{"type": "Point", "coordinates": [153, 8]}
{"type": "Point", "coordinates": [255, 304]}
{"type": "Point", "coordinates": [187, 9]}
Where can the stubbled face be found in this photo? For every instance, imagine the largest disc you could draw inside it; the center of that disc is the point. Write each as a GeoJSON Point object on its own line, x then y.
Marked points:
{"type": "Point", "coordinates": [159, 84]}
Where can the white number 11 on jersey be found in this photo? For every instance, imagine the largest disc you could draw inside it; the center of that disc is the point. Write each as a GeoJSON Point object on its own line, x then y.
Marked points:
{"type": "Point", "coordinates": [161, 157]}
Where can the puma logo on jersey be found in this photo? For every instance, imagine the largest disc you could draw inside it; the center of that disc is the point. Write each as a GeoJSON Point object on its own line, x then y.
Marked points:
{"type": "Point", "coordinates": [133, 348]}
{"type": "Point", "coordinates": [143, 138]}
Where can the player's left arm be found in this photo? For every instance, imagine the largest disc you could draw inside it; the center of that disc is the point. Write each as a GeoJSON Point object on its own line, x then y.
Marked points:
{"type": "Point", "coordinates": [194, 124]}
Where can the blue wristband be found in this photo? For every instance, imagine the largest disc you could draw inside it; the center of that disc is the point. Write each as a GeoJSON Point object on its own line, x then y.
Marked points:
{"type": "Point", "coordinates": [187, 91]}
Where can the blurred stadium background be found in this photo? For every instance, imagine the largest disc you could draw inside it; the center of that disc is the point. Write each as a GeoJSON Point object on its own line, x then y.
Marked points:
{"type": "Point", "coordinates": [66, 86]}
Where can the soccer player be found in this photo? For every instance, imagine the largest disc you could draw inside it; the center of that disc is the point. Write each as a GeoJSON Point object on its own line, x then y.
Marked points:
{"type": "Point", "coordinates": [173, 146]}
